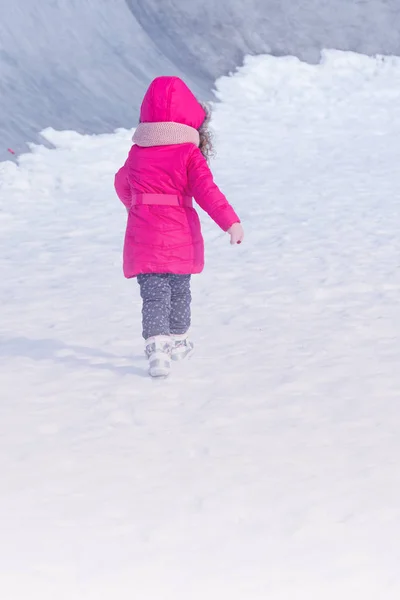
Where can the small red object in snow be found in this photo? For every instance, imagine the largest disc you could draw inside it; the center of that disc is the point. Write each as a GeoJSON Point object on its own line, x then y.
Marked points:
{"type": "Point", "coordinates": [11, 151]}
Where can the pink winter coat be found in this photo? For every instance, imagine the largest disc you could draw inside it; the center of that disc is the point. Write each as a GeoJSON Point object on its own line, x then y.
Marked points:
{"type": "Point", "coordinates": [166, 238]}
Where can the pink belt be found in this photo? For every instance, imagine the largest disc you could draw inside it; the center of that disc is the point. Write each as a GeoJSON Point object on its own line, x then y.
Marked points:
{"type": "Point", "coordinates": [162, 200]}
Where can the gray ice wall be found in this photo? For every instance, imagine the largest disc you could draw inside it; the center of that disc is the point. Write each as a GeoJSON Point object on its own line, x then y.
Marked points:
{"type": "Point", "coordinates": [84, 64]}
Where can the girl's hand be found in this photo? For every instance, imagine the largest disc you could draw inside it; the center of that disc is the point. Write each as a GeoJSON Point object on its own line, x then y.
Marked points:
{"type": "Point", "coordinates": [237, 234]}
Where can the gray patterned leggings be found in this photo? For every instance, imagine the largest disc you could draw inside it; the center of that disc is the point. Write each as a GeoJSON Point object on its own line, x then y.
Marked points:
{"type": "Point", "coordinates": [166, 303]}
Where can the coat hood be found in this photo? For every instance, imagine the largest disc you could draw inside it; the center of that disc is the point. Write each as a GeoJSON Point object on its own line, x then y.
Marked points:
{"type": "Point", "coordinates": [170, 99]}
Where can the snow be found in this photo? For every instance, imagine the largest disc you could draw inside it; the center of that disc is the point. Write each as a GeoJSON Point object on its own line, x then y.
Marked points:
{"type": "Point", "coordinates": [85, 64]}
{"type": "Point", "coordinates": [267, 467]}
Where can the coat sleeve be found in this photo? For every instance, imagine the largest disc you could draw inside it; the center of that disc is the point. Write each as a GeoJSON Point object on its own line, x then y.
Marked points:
{"type": "Point", "coordinates": [207, 194]}
{"type": "Point", "coordinates": [122, 186]}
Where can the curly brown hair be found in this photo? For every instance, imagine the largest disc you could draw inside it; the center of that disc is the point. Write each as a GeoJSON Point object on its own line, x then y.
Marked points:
{"type": "Point", "coordinates": [206, 136]}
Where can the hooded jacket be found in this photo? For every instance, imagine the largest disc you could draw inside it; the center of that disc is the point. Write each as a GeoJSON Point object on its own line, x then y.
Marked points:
{"type": "Point", "coordinates": [158, 181]}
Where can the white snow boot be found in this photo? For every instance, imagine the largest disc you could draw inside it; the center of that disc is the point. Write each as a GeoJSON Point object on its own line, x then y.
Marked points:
{"type": "Point", "coordinates": [158, 351]}
{"type": "Point", "coordinates": [182, 347]}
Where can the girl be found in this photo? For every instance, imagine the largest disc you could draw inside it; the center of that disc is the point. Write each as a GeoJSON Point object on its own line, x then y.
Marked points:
{"type": "Point", "coordinates": [165, 168]}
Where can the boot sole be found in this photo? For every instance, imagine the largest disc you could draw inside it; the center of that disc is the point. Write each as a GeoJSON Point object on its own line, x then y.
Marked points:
{"type": "Point", "coordinates": [159, 376]}
{"type": "Point", "coordinates": [159, 371]}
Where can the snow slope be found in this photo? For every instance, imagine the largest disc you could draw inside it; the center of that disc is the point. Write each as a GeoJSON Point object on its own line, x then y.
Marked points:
{"type": "Point", "coordinates": [267, 467]}
{"type": "Point", "coordinates": [84, 64]}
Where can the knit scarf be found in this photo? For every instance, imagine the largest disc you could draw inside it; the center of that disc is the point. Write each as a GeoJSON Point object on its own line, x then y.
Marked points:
{"type": "Point", "coordinates": [164, 134]}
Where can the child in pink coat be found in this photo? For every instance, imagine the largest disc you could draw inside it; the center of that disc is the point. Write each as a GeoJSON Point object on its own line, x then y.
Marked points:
{"type": "Point", "coordinates": [167, 167]}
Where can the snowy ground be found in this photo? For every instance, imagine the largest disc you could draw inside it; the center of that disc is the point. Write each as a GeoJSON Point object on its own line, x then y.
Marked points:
{"type": "Point", "coordinates": [268, 466]}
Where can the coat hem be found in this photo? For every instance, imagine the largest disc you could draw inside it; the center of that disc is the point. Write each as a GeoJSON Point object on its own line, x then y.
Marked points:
{"type": "Point", "coordinates": [162, 271]}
